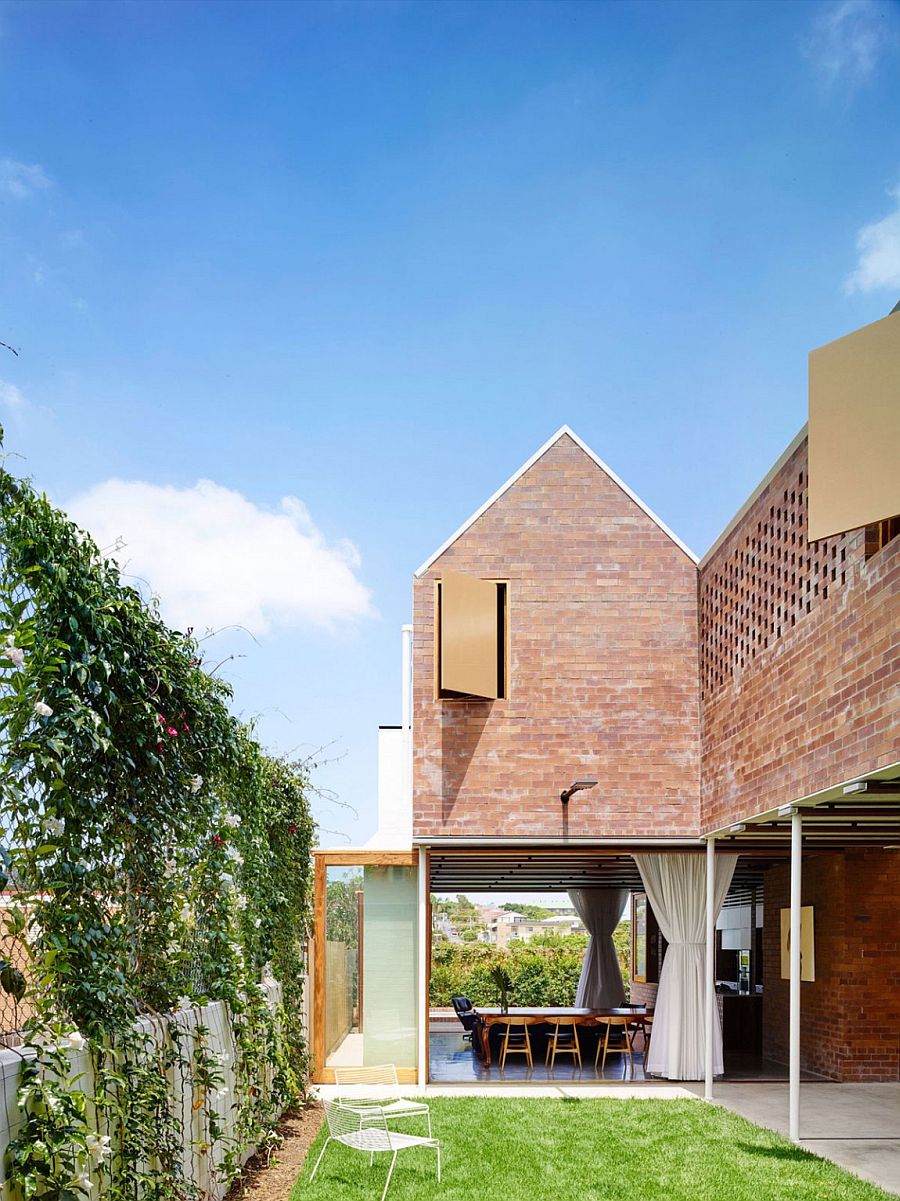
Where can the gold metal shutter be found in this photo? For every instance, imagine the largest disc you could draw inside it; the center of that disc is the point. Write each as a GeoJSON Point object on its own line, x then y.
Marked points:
{"type": "Point", "coordinates": [854, 429]}
{"type": "Point", "coordinates": [468, 635]}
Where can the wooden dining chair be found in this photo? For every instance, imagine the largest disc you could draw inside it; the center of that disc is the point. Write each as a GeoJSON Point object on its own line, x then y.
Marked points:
{"type": "Point", "coordinates": [646, 1025]}
{"type": "Point", "coordinates": [563, 1040]}
{"type": "Point", "coordinates": [622, 1046]}
{"type": "Point", "coordinates": [516, 1040]}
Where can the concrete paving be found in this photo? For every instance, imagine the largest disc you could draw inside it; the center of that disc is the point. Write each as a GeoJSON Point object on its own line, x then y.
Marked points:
{"type": "Point", "coordinates": [663, 1091]}
{"type": "Point", "coordinates": [854, 1125]}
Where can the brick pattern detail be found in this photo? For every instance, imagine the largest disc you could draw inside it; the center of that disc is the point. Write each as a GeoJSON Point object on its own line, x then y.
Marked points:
{"type": "Point", "coordinates": [800, 685]}
{"type": "Point", "coordinates": [850, 1013]}
{"type": "Point", "coordinates": [642, 994]}
{"type": "Point", "coordinates": [769, 579]}
{"type": "Point", "coordinates": [603, 670]}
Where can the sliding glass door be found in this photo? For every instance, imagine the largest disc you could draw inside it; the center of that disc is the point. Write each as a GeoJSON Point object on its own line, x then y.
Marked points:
{"type": "Point", "coordinates": [367, 1007]}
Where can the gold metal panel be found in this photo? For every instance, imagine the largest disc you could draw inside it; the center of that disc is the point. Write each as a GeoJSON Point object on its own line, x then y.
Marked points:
{"type": "Point", "coordinates": [468, 635]}
{"type": "Point", "coordinates": [807, 944]}
{"type": "Point", "coordinates": [854, 429]}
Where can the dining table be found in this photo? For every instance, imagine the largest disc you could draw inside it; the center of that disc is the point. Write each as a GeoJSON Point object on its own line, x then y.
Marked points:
{"type": "Point", "coordinates": [489, 1016]}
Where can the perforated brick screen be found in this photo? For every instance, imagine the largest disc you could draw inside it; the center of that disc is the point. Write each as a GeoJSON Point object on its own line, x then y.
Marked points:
{"type": "Point", "coordinates": [769, 578]}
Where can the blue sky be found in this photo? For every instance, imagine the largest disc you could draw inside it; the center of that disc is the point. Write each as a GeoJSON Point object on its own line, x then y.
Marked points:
{"type": "Point", "coordinates": [352, 263]}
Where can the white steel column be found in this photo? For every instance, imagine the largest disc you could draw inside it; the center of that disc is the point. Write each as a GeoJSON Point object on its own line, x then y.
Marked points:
{"type": "Point", "coordinates": [422, 984]}
{"type": "Point", "coordinates": [794, 1056]}
{"type": "Point", "coordinates": [710, 1003]}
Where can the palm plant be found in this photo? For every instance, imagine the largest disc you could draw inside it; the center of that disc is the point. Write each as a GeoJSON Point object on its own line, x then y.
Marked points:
{"type": "Point", "coordinates": [501, 978]}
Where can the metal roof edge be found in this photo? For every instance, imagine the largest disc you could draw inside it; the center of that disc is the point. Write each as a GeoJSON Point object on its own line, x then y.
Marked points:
{"type": "Point", "coordinates": [756, 493]}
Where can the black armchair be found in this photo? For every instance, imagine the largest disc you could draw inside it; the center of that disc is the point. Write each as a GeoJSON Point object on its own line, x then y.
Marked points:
{"type": "Point", "coordinates": [466, 1014]}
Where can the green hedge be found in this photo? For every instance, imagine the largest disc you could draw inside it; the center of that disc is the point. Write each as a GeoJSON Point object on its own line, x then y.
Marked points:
{"type": "Point", "coordinates": [543, 972]}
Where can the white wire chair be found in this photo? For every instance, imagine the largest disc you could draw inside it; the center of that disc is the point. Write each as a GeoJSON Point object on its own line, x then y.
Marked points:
{"type": "Point", "coordinates": [366, 1130]}
{"type": "Point", "coordinates": [378, 1085]}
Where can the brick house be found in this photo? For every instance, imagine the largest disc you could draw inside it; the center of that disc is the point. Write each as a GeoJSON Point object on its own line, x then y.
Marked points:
{"type": "Point", "coordinates": [741, 708]}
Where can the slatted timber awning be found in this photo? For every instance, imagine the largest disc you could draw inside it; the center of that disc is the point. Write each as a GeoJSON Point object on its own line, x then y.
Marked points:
{"type": "Point", "coordinates": [853, 815]}
{"type": "Point", "coordinates": [555, 869]}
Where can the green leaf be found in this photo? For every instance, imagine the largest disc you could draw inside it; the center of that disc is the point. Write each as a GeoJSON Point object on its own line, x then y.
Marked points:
{"type": "Point", "coordinates": [12, 981]}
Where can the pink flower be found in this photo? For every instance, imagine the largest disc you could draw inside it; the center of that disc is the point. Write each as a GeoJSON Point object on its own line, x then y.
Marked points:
{"type": "Point", "coordinates": [171, 731]}
{"type": "Point", "coordinates": [160, 719]}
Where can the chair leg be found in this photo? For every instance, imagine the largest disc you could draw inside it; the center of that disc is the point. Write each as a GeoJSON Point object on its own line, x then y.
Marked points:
{"type": "Point", "coordinates": [371, 1158]}
{"type": "Point", "coordinates": [390, 1174]}
{"type": "Point", "coordinates": [428, 1115]}
{"type": "Point", "coordinates": [577, 1046]}
{"type": "Point", "coordinates": [504, 1049]}
{"type": "Point", "coordinates": [319, 1160]}
{"type": "Point", "coordinates": [528, 1048]}
{"type": "Point", "coordinates": [438, 1149]}
{"type": "Point", "coordinates": [552, 1047]}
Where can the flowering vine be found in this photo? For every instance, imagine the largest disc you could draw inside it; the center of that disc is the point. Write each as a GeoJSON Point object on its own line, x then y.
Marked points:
{"type": "Point", "coordinates": [161, 861]}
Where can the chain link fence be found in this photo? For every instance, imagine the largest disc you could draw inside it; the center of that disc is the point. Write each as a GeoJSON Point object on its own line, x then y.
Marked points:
{"type": "Point", "coordinates": [13, 1013]}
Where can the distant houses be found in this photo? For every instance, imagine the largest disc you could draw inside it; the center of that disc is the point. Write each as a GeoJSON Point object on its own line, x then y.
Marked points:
{"type": "Point", "coordinates": [508, 926]}
{"type": "Point", "coordinates": [500, 927]}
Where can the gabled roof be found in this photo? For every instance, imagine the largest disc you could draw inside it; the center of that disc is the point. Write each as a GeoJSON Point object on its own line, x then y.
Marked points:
{"type": "Point", "coordinates": [562, 432]}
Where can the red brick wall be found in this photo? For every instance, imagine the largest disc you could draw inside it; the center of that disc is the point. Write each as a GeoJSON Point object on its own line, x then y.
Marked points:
{"type": "Point", "coordinates": [642, 994]}
{"type": "Point", "coordinates": [800, 657]}
{"type": "Point", "coordinates": [603, 670]}
{"type": "Point", "coordinates": [850, 1013]}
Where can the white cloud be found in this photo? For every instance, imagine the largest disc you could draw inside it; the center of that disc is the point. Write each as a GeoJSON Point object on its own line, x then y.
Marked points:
{"type": "Point", "coordinates": [216, 559]}
{"type": "Point", "coordinates": [847, 39]}
{"type": "Point", "coordinates": [11, 397]}
{"type": "Point", "coordinates": [878, 253]}
{"type": "Point", "coordinates": [20, 180]}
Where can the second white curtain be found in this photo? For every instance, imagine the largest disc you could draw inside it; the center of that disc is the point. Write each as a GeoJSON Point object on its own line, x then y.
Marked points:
{"type": "Point", "coordinates": [600, 985]}
{"type": "Point", "coordinates": [676, 889]}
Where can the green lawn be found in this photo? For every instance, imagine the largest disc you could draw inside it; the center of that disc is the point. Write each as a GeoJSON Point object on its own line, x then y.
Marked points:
{"type": "Point", "coordinates": [586, 1150]}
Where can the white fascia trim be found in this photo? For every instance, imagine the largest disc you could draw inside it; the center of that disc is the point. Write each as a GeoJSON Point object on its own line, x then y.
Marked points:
{"type": "Point", "coordinates": [834, 792]}
{"type": "Point", "coordinates": [757, 492]}
{"type": "Point", "coordinates": [530, 844]}
{"type": "Point", "coordinates": [561, 432]}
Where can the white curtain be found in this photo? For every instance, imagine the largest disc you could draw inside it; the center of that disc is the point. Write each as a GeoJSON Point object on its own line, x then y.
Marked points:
{"type": "Point", "coordinates": [676, 889]}
{"type": "Point", "coordinates": [600, 986]}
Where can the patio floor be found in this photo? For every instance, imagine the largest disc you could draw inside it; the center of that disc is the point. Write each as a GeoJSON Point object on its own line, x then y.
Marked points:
{"type": "Point", "coordinates": [452, 1061]}
{"type": "Point", "coordinates": [854, 1125]}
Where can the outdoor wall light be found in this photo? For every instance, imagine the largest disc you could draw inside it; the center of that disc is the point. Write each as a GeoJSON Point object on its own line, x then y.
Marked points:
{"type": "Point", "coordinates": [578, 786]}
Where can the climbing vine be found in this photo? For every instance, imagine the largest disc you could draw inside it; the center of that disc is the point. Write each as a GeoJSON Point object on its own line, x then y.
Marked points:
{"type": "Point", "coordinates": [159, 861]}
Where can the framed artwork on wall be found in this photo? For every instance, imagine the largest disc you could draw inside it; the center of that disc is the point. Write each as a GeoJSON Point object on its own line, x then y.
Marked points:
{"type": "Point", "coordinates": [807, 944]}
